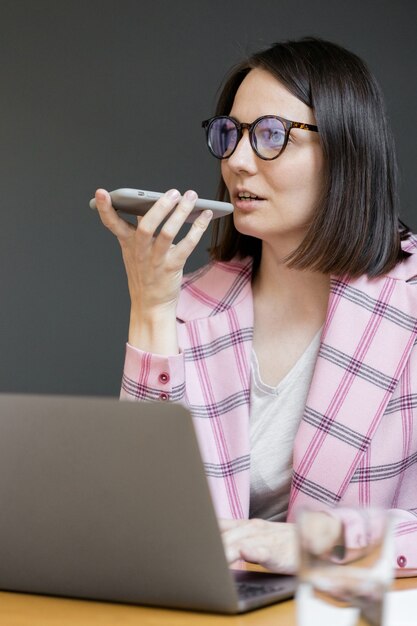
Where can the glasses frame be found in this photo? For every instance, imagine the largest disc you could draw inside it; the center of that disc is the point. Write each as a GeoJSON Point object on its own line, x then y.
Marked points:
{"type": "Point", "coordinates": [288, 126]}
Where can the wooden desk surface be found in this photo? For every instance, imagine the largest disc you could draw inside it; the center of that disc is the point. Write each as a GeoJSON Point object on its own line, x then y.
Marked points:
{"type": "Point", "coordinates": [29, 610]}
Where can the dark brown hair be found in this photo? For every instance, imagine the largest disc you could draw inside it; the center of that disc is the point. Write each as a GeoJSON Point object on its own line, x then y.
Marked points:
{"type": "Point", "coordinates": [356, 230]}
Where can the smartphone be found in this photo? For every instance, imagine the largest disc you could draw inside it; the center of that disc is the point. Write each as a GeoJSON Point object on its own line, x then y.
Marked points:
{"type": "Point", "coordinates": [138, 201]}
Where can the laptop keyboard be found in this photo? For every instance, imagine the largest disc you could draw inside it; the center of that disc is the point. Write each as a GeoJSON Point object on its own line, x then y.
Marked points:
{"type": "Point", "coordinates": [253, 584]}
{"type": "Point", "coordinates": [250, 590]}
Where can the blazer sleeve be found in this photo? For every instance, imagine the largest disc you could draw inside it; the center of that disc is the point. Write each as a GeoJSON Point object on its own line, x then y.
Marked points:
{"type": "Point", "coordinates": [405, 537]}
{"type": "Point", "coordinates": [405, 544]}
{"type": "Point", "coordinates": [149, 376]}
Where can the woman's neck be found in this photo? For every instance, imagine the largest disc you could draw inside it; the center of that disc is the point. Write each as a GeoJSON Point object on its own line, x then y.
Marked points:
{"type": "Point", "coordinates": [275, 280]}
{"type": "Point", "coordinates": [290, 307]}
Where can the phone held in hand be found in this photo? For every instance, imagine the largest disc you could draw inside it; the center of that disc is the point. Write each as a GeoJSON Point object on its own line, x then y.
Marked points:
{"type": "Point", "coordinates": [138, 201]}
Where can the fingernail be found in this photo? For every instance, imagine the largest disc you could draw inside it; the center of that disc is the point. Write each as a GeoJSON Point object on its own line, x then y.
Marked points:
{"type": "Point", "coordinates": [173, 193]}
{"type": "Point", "coordinates": [191, 195]}
{"type": "Point", "coordinates": [207, 215]}
{"type": "Point", "coordinates": [100, 197]}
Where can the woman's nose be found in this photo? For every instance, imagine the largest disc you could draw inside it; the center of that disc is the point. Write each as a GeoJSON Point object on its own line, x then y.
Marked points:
{"type": "Point", "coordinates": [243, 158]}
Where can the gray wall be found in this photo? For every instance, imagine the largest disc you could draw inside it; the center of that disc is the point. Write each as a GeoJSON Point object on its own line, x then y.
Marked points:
{"type": "Point", "coordinates": [111, 93]}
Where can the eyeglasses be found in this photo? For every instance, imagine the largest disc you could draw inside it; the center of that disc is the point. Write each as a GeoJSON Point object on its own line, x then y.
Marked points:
{"type": "Point", "coordinates": [268, 135]}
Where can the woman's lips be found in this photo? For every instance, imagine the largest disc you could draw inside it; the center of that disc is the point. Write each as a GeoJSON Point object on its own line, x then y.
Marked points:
{"type": "Point", "coordinates": [247, 204]}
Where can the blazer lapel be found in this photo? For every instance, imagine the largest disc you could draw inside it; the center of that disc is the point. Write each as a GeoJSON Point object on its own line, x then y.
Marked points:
{"type": "Point", "coordinates": [370, 329]}
{"type": "Point", "coordinates": [214, 288]}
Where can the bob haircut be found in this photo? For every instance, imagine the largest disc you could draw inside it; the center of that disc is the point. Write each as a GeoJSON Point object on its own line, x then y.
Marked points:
{"type": "Point", "coordinates": [356, 229]}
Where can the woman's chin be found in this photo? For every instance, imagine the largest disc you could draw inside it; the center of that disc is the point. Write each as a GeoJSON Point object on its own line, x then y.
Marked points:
{"type": "Point", "coordinates": [246, 225]}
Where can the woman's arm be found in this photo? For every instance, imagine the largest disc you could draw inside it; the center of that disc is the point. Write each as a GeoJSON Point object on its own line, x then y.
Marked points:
{"type": "Point", "coordinates": [149, 376]}
{"type": "Point", "coordinates": [274, 545]}
{"type": "Point", "coordinates": [154, 265]}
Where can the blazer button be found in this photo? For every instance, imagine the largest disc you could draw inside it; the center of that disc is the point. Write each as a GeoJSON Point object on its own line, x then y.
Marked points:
{"type": "Point", "coordinates": [163, 377]}
{"type": "Point", "coordinates": [402, 561]}
{"type": "Point", "coordinates": [163, 396]}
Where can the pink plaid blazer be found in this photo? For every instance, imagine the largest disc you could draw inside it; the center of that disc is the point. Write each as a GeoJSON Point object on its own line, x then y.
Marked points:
{"type": "Point", "coordinates": [357, 442]}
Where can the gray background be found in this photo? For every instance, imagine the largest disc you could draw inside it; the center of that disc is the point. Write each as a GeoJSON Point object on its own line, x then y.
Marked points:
{"type": "Point", "coordinates": [111, 93]}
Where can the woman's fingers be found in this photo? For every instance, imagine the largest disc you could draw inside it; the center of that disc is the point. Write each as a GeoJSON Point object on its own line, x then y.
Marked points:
{"type": "Point", "coordinates": [185, 247]}
{"type": "Point", "coordinates": [270, 544]}
{"type": "Point", "coordinates": [170, 207]}
{"type": "Point", "coordinates": [110, 217]}
{"type": "Point", "coordinates": [174, 223]}
{"type": "Point", "coordinates": [176, 210]}
{"type": "Point", "coordinates": [154, 266]}
{"type": "Point", "coordinates": [151, 221]}
{"type": "Point", "coordinates": [177, 216]}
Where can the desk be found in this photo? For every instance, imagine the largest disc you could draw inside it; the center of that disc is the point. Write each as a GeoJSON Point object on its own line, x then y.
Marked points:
{"type": "Point", "coordinates": [28, 610]}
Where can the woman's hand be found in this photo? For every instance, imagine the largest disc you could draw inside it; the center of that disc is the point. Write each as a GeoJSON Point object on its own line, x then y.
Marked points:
{"type": "Point", "coordinates": [270, 544]}
{"type": "Point", "coordinates": [154, 265]}
{"type": "Point", "coordinates": [274, 545]}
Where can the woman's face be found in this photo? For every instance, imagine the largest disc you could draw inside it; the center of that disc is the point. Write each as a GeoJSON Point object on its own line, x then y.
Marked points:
{"type": "Point", "coordinates": [287, 190]}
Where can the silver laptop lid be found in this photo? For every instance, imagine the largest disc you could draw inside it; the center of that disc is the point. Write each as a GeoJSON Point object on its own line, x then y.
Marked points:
{"type": "Point", "coordinates": [108, 500]}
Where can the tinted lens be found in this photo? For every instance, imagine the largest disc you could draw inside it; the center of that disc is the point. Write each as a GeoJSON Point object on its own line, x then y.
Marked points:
{"type": "Point", "coordinates": [222, 137]}
{"type": "Point", "coordinates": [269, 137]}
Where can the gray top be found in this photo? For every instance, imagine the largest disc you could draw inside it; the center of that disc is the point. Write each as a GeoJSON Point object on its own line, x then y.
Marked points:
{"type": "Point", "coordinates": [274, 419]}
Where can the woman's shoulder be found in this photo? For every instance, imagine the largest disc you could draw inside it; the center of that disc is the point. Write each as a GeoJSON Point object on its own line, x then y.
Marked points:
{"type": "Point", "coordinates": [215, 287]}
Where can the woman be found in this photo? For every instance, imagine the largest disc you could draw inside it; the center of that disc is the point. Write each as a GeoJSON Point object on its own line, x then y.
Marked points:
{"type": "Point", "coordinates": [295, 349]}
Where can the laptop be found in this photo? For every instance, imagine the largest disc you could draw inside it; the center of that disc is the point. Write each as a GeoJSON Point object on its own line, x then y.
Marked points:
{"type": "Point", "coordinates": [108, 500]}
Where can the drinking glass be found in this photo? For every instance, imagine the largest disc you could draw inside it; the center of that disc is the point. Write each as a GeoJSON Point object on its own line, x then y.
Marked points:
{"type": "Point", "coordinates": [345, 567]}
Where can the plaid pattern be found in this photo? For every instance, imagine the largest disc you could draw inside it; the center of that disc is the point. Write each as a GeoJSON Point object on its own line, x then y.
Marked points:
{"type": "Point", "coordinates": [357, 442]}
